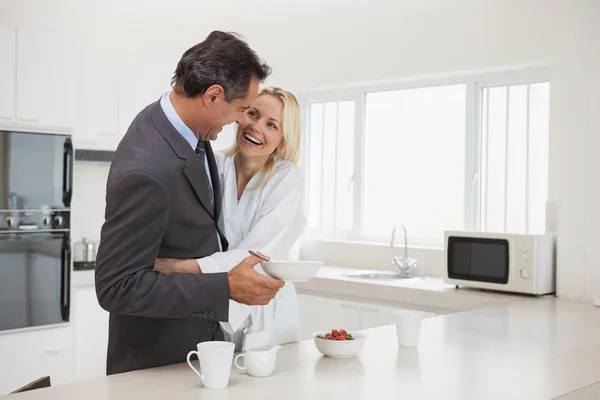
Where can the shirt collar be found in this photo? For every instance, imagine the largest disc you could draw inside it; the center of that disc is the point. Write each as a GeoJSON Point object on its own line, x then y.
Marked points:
{"type": "Point", "coordinates": [182, 128]}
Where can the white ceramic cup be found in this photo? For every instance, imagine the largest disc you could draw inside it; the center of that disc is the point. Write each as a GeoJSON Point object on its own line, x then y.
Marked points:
{"type": "Point", "coordinates": [215, 363]}
{"type": "Point", "coordinates": [258, 361]}
{"type": "Point", "coordinates": [408, 327]}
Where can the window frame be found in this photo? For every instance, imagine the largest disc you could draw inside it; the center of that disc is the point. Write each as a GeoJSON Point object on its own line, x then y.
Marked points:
{"type": "Point", "coordinates": [475, 84]}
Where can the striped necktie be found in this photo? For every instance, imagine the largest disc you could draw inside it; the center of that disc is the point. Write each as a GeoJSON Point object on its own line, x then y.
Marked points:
{"type": "Point", "coordinates": [201, 153]}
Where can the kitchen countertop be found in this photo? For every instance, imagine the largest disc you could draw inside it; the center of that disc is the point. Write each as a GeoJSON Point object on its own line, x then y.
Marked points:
{"type": "Point", "coordinates": [532, 348]}
{"type": "Point", "coordinates": [420, 293]}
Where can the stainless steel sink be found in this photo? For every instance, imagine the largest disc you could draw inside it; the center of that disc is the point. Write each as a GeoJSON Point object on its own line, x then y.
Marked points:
{"type": "Point", "coordinates": [378, 275]}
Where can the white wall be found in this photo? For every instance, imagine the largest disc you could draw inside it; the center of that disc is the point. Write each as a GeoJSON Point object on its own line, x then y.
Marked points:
{"type": "Point", "coordinates": [575, 145]}
{"type": "Point", "coordinates": [88, 202]}
{"type": "Point", "coordinates": [313, 43]}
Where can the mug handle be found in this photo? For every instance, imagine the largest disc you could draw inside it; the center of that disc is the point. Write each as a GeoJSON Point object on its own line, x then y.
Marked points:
{"type": "Point", "coordinates": [235, 361]}
{"type": "Point", "coordinates": [192, 367]}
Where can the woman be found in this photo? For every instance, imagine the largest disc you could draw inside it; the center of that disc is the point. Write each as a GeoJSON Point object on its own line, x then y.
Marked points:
{"type": "Point", "coordinates": [262, 190]}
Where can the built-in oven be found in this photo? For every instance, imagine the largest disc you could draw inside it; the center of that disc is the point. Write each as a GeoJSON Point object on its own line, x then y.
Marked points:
{"type": "Point", "coordinates": [36, 175]}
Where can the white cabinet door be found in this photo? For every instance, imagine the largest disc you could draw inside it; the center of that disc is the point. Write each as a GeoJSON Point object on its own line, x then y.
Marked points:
{"type": "Point", "coordinates": [372, 316]}
{"type": "Point", "coordinates": [375, 315]}
{"type": "Point", "coordinates": [47, 77]}
{"type": "Point", "coordinates": [97, 114]}
{"type": "Point", "coordinates": [91, 334]}
{"type": "Point", "coordinates": [140, 84]}
{"type": "Point", "coordinates": [29, 355]}
{"type": "Point", "coordinates": [322, 314]}
{"type": "Point", "coordinates": [7, 73]}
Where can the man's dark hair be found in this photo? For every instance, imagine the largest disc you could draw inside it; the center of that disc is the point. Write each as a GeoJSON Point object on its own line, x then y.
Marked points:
{"type": "Point", "coordinates": [222, 59]}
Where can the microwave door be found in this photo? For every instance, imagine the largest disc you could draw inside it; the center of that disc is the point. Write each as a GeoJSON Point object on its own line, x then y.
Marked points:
{"type": "Point", "coordinates": [34, 288]}
{"type": "Point", "coordinates": [478, 259]}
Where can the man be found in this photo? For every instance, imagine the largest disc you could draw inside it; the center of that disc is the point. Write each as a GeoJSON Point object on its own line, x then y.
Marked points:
{"type": "Point", "coordinates": [163, 200]}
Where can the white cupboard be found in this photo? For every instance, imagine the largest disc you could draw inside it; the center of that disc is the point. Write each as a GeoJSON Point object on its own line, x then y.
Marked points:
{"type": "Point", "coordinates": [7, 73]}
{"type": "Point", "coordinates": [29, 355]}
{"type": "Point", "coordinates": [375, 315]}
{"type": "Point", "coordinates": [90, 324]}
{"type": "Point", "coordinates": [140, 83]}
{"type": "Point", "coordinates": [319, 313]}
{"type": "Point", "coordinates": [46, 79]}
{"type": "Point", "coordinates": [50, 82]}
{"type": "Point", "coordinates": [97, 114]}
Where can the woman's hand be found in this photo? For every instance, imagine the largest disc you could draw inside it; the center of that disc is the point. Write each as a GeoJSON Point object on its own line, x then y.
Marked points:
{"type": "Point", "coordinates": [168, 265]}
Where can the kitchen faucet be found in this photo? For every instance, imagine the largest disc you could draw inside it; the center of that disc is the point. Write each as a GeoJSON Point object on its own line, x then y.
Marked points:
{"type": "Point", "coordinates": [404, 264]}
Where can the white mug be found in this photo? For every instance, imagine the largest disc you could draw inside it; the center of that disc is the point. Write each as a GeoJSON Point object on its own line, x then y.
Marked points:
{"type": "Point", "coordinates": [215, 363]}
{"type": "Point", "coordinates": [408, 327]}
{"type": "Point", "coordinates": [258, 361]}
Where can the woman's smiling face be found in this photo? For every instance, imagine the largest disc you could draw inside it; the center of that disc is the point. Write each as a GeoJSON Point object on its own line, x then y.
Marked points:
{"type": "Point", "coordinates": [260, 130]}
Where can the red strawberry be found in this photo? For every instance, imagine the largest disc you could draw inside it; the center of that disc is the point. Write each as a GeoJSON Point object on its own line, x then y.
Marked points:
{"type": "Point", "coordinates": [340, 337]}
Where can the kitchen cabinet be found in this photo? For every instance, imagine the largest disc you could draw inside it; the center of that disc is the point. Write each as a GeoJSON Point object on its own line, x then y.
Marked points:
{"type": "Point", "coordinates": [90, 324]}
{"type": "Point", "coordinates": [318, 313]}
{"type": "Point", "coordinates": [140, 83]}
{"type": "Point", "coordinates": [47, 78]}
{"type": "Point", "coordinates": [375, 315]}
{"type": "Point", "coordinates": [7, 73]}
{"type": "Point", "coordinates": [97, 115]}
{"type": "Point", "coordinates": [321, 313]}
{"type": "Point", "coordinates": [29, 355]}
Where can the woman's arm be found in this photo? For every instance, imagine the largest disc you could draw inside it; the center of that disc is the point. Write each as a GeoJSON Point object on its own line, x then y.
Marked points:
{"type": "Point", "coordinates": [280, 222]}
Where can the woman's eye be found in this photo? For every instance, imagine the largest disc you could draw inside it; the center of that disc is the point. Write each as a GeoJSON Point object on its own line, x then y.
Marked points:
{"type": "Point", "coordinates": [271, 125]}
{"type": "Point", "coordinates": [251, 114]}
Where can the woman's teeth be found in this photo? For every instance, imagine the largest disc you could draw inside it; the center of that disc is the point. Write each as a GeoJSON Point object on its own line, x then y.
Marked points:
{"type": "Point", "coordinates": [252, 139]}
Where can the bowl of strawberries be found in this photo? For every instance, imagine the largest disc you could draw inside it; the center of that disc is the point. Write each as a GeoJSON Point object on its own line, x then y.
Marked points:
{"type": "Point", "coordinates": [338, 343]}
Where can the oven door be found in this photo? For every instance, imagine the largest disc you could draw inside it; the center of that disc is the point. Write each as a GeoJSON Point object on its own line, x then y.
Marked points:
{"type": "Point", "coordinates": [34, 279]}
{"type": "Point", "coordinates": [478, 259]}
{"type": "Point", "coordinates": [36, 171]}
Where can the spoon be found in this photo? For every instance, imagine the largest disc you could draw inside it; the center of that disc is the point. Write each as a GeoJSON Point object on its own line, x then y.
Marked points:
{"type": "Point", "coordinates": [264, 258]}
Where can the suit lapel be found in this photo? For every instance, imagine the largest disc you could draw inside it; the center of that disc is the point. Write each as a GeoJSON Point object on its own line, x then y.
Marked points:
{"type": "Point", "coordinates": [195, 173]}
{"type": "Point", "coordinates": [194, 169]}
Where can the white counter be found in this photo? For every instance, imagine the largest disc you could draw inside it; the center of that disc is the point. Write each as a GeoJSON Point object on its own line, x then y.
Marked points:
{"type": "Point", "coordinates": [527, 349]}
{"type": "Point", "coordinates": [422, 292]}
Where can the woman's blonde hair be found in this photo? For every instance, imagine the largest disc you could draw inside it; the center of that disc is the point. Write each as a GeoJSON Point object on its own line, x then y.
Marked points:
{"type": "Point", "coordinates": [289, 149]}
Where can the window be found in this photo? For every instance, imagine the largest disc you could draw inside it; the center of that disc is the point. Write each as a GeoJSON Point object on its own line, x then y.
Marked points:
{"type": "Point", "coordinates": [514, 157]}
{"type": "Point", "coordinates": [414, 164]}
{"type": "Point", "coordinates": [464, 153]}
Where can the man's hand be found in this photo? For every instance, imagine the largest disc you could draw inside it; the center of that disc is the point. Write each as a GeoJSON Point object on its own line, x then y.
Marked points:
{"type": "Point", "coordinates": [247, 286]}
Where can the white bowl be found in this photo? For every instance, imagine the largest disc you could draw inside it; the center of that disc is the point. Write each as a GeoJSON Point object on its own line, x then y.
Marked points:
{"type": "Point", "coordinates": [294, 271]}
{"type": "Point", "coordinates": [340, 348]}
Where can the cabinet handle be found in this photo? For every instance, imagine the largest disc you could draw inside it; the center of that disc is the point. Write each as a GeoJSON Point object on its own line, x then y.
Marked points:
{"type": "Point", "coordinates": [54, 351]}
{"type": "Point", "coordinates": [369, 309]}
{"type": "Point", "coordinates": [6, 118]}
{"type": "Point", "coordinates": [348, 305]}
{"type": "Point", "coordinates": [32, 120]}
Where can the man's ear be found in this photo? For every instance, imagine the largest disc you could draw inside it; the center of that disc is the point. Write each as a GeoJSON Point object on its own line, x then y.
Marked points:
{"type": "Point", "coordinates": [213, 93]}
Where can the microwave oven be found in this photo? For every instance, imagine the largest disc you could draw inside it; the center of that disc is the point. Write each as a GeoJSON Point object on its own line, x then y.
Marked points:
{"type": "Point", "coordinates": [509, 262]}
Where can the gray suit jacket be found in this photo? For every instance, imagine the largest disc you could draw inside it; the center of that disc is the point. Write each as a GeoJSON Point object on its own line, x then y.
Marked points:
{"type": "Point", "coordinates": [158, 205]}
